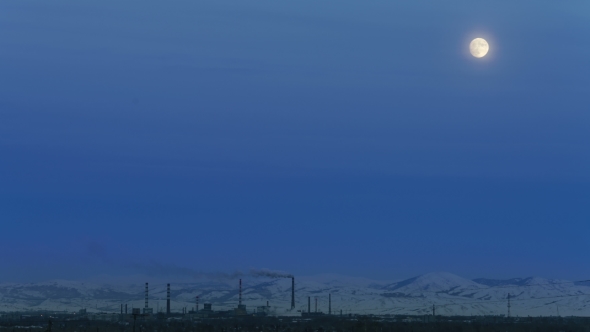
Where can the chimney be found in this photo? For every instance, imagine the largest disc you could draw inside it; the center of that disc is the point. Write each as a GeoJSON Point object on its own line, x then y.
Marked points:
{"type": "Point", "coordinates": [146, 295]}
{"type": "Point", "coordinates": [316, 304]}
{"type": "Point", "coordinates": [197, 307]}
{"type": "Point", "coordinates": [125, 309]}
{"type": "Point", "coordinates": [240, 295]}
{"type": "Point", "coordinates": [267, 304]}
{"type": "Point", "coordinates": [121, 308]}
{"type": "Point", "coordinates": [309, 304]}
{"type": "Point", "coordinates": [292, 293]}
{"type": "Point", "coordinates": [330, 304]}
{"type": "Point", "coordinates": [168, 299]}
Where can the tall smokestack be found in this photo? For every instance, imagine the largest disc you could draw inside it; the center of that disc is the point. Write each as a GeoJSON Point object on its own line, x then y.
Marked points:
{"type": "Point", "coordinates": [240, 296]}
{"type": "Point", "coordinates": [168, 299]}
{"type": "Point", "coordinates": [197, 308]}
{"type": "Point", "coordinates": [121, 308]}
{"type": "Point", "coordinates": [309, 304]}
{"type": "Point", "coordinates": [330, 304]}
{"type": "Point", "coordinates": [292, 292]}
{"type": "Point", "coordinates": [125, 309]}
{"type": "Point", "coordinates": [146, 295]}
{"type": "Point", "coordinates": [316, 304]}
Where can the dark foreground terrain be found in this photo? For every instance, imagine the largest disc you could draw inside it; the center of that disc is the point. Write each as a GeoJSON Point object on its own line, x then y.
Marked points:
{"type": "Point", "coordinates": [65, 323]}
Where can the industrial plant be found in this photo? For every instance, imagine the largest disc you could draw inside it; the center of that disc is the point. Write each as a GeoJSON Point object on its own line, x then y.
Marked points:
{"type": "Point", "coordinates": [148, 312]}
{"type": "Point", "coordinates": [244, 316]}
{"type": "Point", "coordinates": [276, 304]}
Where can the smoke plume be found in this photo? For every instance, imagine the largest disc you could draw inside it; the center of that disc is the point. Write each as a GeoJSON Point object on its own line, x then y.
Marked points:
{"type": "Point", "coordinates": [269, 273]}
{"type": "Point", "coordinates": [154, 268]}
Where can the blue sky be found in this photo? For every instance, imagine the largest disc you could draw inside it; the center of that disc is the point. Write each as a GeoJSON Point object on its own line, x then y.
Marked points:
{"type": "Point", "coordinates": [347, 137]}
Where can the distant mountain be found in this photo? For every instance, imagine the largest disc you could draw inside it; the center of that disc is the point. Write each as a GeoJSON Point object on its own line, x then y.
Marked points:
{"type": "Point", "coordinates": [494, 282]}
{"type": "Point", "coordinates": [449, 293]}
{"type": "Point", "coordinates": [441, 282]}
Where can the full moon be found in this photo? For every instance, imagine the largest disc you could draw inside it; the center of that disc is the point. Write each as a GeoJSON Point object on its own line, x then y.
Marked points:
{"type": "Point", "coordinates": [479, 47]}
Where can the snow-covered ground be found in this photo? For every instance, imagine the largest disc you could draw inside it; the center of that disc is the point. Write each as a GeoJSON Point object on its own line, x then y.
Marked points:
{"type": "Point", "coordinates": [450, 294]}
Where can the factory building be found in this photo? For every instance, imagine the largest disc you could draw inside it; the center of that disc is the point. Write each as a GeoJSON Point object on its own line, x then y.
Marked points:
{"type": "Point", "coordinates": [148, 313]}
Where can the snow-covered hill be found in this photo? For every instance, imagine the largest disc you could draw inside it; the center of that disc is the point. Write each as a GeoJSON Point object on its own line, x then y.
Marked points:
{"type": "Point", "coordinates": [450, 295]}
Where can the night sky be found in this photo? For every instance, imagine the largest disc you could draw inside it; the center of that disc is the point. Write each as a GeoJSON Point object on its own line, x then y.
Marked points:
{"type": "Point", "coordinates": [350, 137]}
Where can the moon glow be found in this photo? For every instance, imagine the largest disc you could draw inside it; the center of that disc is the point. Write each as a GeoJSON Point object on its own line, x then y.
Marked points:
{"type": "Point", "coordinates": [479, 47]}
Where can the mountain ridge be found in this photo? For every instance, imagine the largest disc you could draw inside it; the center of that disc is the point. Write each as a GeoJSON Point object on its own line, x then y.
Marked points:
{"type": "Point", "coordinates": [449, 293]}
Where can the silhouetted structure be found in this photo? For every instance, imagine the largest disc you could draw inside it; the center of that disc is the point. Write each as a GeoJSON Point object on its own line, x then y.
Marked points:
{"type": "Point", "coordinates": [168, 299]}
{"type": "Point", "coordinates": [292, 292]}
